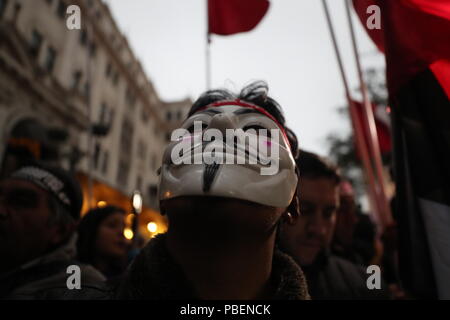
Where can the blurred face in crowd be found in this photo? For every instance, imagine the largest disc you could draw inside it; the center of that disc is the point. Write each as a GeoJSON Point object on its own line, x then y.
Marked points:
{"type": "Point", "coordinates": [25, 229]}
{"type": "Point", "coordinates": [110, 242]}
{"type": "Point", "coordinates": [319, 200]}
{"type": "Point", "coordinates": [346, 220]}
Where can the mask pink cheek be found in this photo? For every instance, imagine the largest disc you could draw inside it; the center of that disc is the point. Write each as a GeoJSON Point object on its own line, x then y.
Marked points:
{"type": "Point", "coordinates": [187, 138]}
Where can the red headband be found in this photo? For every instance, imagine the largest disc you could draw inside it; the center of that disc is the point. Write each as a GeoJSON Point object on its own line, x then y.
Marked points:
{"type": "Point", "coordinates": [240, 103]}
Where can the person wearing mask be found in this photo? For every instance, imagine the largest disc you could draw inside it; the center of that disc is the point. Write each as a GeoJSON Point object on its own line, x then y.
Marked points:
{"type": "Point", "coordinates": [223, 217]}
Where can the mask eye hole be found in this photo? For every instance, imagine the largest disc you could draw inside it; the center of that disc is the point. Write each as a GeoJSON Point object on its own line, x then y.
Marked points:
{"type": "Point", "coordinates": [257, 127]}
{"type": "Point", "coordinates": [191, 128]}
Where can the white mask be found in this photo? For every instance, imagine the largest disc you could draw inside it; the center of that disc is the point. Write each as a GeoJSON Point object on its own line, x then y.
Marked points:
{"type": "Point", "coordinates": [261, 170]}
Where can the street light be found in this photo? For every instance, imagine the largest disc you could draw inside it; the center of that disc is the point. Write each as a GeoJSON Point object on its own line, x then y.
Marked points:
{"type": "Point", "coordinates": [128, 234]}
{"type": "Point", "coordinates": [136, 204]}
{"type": "Point", "coordinates": [136, 201]}
{"type": "Point", "coordinates": [101, 204]}
{"type": "Point", "coordinates": [152, 227]}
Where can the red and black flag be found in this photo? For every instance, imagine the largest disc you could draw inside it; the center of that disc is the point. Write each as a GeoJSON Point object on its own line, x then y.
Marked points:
{"type": "Point", "coordinates": [415, 36]}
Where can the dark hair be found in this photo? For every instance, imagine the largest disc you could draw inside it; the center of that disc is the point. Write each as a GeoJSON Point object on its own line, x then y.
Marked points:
{"type": "Point", "coordinates": [70, 187]}
{"type": "Point", "coordinates": [255, 93]}
{"type": "Point", "coordinates": [312, 166]}
{"type": "Point", "coordinates": [88, 229]}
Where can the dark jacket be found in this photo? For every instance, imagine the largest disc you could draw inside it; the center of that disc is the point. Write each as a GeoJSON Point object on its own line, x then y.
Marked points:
{"type": "Point", "coordinates": [333, 278]}
{"type": "Point", "coordinates": [154, 275]}
{"type": "Point", "coordinates": [45, 278]}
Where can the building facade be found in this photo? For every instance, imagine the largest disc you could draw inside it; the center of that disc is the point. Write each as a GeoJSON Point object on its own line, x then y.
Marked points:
{"type": "Point", "coordinates": [87, 85]}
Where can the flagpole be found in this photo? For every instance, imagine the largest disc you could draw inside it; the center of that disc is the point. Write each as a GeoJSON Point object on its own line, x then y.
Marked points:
{"type": "Point", "coordinates": [357, 128]}
{"type": "Point", "coordinates": [208, 50]}
{"type": "Point", "coordinates": [90, 141]}
{"type": "Point", "coordinates": [386, 216]}
{"type": "Point", "coordinates": [208, 62]}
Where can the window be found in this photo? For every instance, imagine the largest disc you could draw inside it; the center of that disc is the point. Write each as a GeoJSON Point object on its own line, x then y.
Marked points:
{"type": "Point", "coordinates": [110, 118]}
{"type": "Point", "coordinates": [106, 114]}
{"type": "Point", "coordinates": [126, 136]}
{"type": "Point", "coordinates": [152, 192]}
{"type": "Point", "coordinates": [122, 173]}
{"type": "Point", "coordinates": [92, 49]}
{"type": "Point", "coordinates": [145, 114]}
{"type": "Point", "coordinates": [126, 139]}
{"type": "Point", "coordinates": [169, 115]}
{"type": "Point", "coordinates": [76, 78]}
{"type": "Point", "coordinates": [83, 37]}
{"type": "Point", "coordinates": [115, 78]}
{"type": "Point", "coordinates": [130, 99]}
{"type": "Point", "coordinates": [153, 163]}
{"type": "Point", "coordinates": [103, 113]}
{"type": "Point", "coordinates": [50, 59]}
{"type": "Point", "coordinates": [61, 11]}
{"type": "Point", "coordinates": [87, 89]}
{"type": "Point", "coordinates": [108, 70]}
{"type": "Point", "coordinates": [97, 151]}
{"type": "Point", "coordinates": [178, 115]}
{"type": "Point", "coordinates": [142, 150]}
{"type": "Point", "coordinates": [112, 39]}
{"type": "Point", "coordinates": [105, 162]}
{"type": "Point", "coordinates": [35, 44]}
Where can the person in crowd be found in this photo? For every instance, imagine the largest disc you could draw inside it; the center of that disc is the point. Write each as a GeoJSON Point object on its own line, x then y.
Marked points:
{"type": "Point", "coordinates": [223, 217]}
{"type": "Point", "coordinates": [346, 220]}
{"type": "Point", "coordinates": [308, 241]}
{"type": "Point", "coordinates": [355, 235]}
{"type": "Point", "coordinates": [101, 241]}
{"type": "Point", "coordinates": [39, 209]}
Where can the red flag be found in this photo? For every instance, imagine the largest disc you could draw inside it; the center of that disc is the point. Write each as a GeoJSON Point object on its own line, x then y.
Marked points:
{"type": "Point", "coordinates": [414, 34]}
{"type": "Point", "coordinates": [440, 8]}
{"type": "Point", "coordinates": [233, 16]}
{"type": "Point", "coordinates": [441, 70]}
{"type": "Point", "coordinates": [381, 123]}
{"type": "Point", "coordinates": [361, 8]}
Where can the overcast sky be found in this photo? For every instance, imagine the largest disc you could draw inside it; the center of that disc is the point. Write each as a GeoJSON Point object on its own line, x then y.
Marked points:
{"type": "Point", "coordinates": [291, 49]}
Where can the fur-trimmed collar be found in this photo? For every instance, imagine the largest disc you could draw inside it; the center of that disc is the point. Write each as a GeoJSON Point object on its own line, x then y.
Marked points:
{"type": "Point", "coordinates": [154, 275]}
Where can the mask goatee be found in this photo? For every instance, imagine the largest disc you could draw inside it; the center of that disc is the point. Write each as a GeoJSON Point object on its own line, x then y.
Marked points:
{"type": "Point", "coordinates": [208, 175]}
